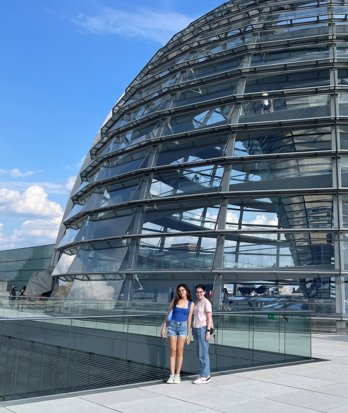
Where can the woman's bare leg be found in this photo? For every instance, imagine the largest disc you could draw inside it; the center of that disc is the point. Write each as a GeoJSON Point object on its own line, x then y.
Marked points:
{"type": "Point", "coordinates": [179, 353]}
{"type": "Point", "coordinates": [172, 351]}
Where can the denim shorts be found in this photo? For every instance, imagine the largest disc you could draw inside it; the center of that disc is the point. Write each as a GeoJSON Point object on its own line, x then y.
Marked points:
{"type": "Point", "coordinates": [177, 329]}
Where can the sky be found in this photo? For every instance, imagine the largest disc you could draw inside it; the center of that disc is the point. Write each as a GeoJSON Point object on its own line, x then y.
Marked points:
{"type": "Point", "coordinates": [64, 65]}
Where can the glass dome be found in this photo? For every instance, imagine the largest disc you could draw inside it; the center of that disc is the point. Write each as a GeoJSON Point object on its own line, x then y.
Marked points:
{"type": "Point", "coordinates": [224, 161]}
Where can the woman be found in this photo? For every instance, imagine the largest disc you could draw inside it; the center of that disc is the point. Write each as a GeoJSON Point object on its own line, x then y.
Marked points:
{"type": "Point", "coordinates": [202, 329]}
{"type": "Point", "coordinates": [225, 300]}
{"type": "Point", "coordinates": [178, 329]}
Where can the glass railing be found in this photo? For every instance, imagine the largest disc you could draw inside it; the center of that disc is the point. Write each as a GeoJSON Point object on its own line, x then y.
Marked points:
{"type": "Point", "coordinates": [285, 334]}
{"type": "Point", "coordinates": [40, 306]}
{"type": "Point", "coordinates": [318, 307]}
{"type": "Point", "coordinates": [56, 354]}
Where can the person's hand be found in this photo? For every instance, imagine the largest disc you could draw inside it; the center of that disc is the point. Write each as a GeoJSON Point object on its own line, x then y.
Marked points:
{"type": "Point", "coordinates": [207, 336]}
{"type": "Point", "coordinates": [163, 332]}
{"type": "Point", "coordinates": [188, 339]}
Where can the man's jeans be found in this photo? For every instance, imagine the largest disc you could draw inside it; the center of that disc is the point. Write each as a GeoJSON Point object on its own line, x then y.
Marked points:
{"type": "Point", "coordinates": [202, 347]}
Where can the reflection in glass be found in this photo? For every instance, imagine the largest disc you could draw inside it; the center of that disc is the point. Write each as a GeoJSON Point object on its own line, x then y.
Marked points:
{"type": "Point", "coordinates": [174, 253]}
{"type": "Point", "coordinates": [270, 250]}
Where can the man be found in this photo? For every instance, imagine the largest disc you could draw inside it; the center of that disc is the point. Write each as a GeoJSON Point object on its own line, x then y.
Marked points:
{"type": "Point", "coordinates": [202, 329]}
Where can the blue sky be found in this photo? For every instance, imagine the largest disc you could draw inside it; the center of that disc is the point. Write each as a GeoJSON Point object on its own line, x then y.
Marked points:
{"type": "Point", "coordinates": [64, 65]}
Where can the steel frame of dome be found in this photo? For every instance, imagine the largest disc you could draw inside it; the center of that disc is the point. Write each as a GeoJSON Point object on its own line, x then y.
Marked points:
{"type": "Point", "coordinates": [225, 160]}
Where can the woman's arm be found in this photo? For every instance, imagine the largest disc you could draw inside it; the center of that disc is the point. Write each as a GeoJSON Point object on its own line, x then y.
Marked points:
{"type": "Point", "coordinates": [189, 322]}
{"type": "Point", "coordinates": [163, 327]}
{"type": "Point", "coordinates": [209, 325]}
{"type": "Point", "coordinates": [209, 320]}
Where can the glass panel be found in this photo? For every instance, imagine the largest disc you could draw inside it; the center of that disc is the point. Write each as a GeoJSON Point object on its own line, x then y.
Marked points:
{"type": "Point", "coordinates": [285, 108]}
{"type": "Point", "coordinates": [214, 116]}
{"type": "Point", "coordinates": [344, 241]}
{"type": "Point", "coordinates": [281, 174]}
{"type": "Point", "coordinates": [120, 165]}
{"type": "Point", "coordinates": [23, 254]}
{"type": "Point", "coordinates": [343, 102]}
{"type": "Point", "coordinates": [163, 102]}
{"type": "Point", "coordinates": [192, 150]}
{"type": "Point", "coordinates": [270, 33]}
{"type": "Point", "coordinates": [345, 210]}
{"type": "Point", "coordinates": [188, 77]}
{"type": "Point", "coordinates": [104, 259]}
{"type": "Point", "coordinates": [297, 15]}
{"type": "Point", "coordinates": [200, 55]}
{"type": "Point", "coordinates": [291, 55]}
{"type": "Point", "coordinates": [343, 137]}
{"type": "Point", "coordinates": [173, 253]}
{"type": "Point", "coordinates": [273, 340]}
{"type": "Point", "coordinates": [77, 208]}
{"type": "Point", "coordinates": [297, 334]}
{"type": "Point", "coordinates": [307, 211]}
{"type": "Point", "coordinates": [344, 171]}
{"type": "Point", "coordinates": [282, 140]}
{"type": "Point", "coordinates": [320, 288]}
{"type": "Point", "coordinates": [342, 54]}
{"type": "Point", "coordinates": [251, 214]}
{"type": "Point", "coordinates": [96, 290]}
{"type": "Point", "coordinates": [188, 96]}
{"type": "Point", "coordinates": [114, 194]}
{"type": "Point", "coordinates": [63, 265]}
{"type": "Point", "coordinates": [169, 126]}
{"type": "Point", "coordinates": [312, 78]}
{"type": "Point", "coordinates": [251, 142]}
{"type": "Point", "coordinates": [340, 13]}
{"type": "Point", "coordinates": [192, 180]}
{"type": "Point", "coordinates": [203, 93]}
{"type": "Point", "coordinates": [139, 134]}
{"type": "Point", "coordinates": [115, 144]}
{"type": "Point", "coordinates": [91, 229]}
{"type": "Point", "coordinates": [277, 27]}
{"type": "Point", "coordinates": [278, 250]}
{"type": "Point", "coordinates": [82, 186]}
{"type": "Point", "coordinates": [182, 219]}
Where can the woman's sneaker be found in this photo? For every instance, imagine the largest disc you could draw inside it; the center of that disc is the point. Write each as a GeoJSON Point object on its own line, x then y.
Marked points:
{"type": "Point", "coordinates": [202, 380]}
{"type": "Point", "coordinates": [177, 379]}
{"type": "Point", "coordinates": [171, 379]}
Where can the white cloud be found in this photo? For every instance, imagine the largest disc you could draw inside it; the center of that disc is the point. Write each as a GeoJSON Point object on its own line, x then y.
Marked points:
{"type": "Point", "coordinates": [263, 220]}
{"type": "Point", "coordinates": [30, 233]}
{"type": "Point", "coordinates": [34, 219]}
{"type": "Point", "coordinates": [29, 217]}
{"type": "Point", "coordinates": [49, 187]}
{"type": "Point", "coordinates": [33, 201]}
{"type": "Point", "coordinates": [39, 229]}
{"type": "Point", "coordinates": [149, 24]}
{"type": "Point", "coordinates": [16, 173]}
{"type": "Point", "coordinates": [6, 242]}
{"type": "Point", "coordinates": [232, 218]}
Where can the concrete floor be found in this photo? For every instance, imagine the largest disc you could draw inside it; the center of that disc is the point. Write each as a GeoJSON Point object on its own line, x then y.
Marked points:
{"type": "Point", "coordinates": [302, 388]}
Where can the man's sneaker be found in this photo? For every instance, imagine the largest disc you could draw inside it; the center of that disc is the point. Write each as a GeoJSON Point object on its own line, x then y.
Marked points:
{"type": "Point", "coordinates": [202, 380]}
{"type": "Point", "coordinates": [171, 379]}
{"type": "Point", "coordinates": [177, 379]}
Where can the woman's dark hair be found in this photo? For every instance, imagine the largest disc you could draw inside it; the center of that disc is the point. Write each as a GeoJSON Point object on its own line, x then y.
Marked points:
{"type": "Point", "coordinates": [178, 296]}
{"type": "Point", "coordinates": [201, 286]}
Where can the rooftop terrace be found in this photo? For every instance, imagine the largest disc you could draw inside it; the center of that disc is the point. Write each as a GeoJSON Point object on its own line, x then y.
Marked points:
{"type": "Point", "coordinates": [297, 388]}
